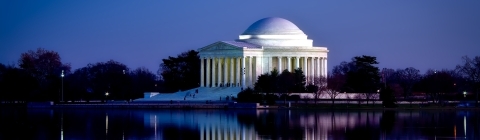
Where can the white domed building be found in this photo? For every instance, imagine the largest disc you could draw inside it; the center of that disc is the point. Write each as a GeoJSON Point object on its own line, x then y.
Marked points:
{"type": "Point", "coordinates": [268, 44]}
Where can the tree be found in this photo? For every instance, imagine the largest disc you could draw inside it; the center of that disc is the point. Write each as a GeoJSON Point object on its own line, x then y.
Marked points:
{"type": "Point", "coordinates": [267, 82]}
{"type": "Point", "coordinates": [408, 77]}
{"type": "Point", "coordinates": [79, 84]}
{"type": "Point", "coordinates": [311, 88]}
{"type": "Point", "coordinates": [285, 85]}
{"type": "Point", "coordinates": [319, 86]}
{"type": "Point", "coordinates": [364, 77]}
{"type": "Point", "coordinates": [392, 78]}
{"type": "Point", "coordinates": [95, 80]}
{"type": "Point", "coordinates": [181, 72]}
{"type": "Point", "coordinates": [387, 97]}
{"type": "Point", "coordinates": [334, 85]}
{"type": "Point", "coordinates": [470, 69]}
{"type": "Point", "coordinates": [142, 80]}
{"type": "Point", "coordinates": [344, 68]}
{"type": "Point", "coordinates": [15, 84]}
{"type": "Point", "coordinates": [45, 66]}
{"type": "Point", "coordinates": [111, 77]}
{"type": "Point", "coordinates": [389, 76]}
{"type": "Point", "coordinates": [249, 96]}
{"type": "Point", "coordinates": [437, 83]}
{"type": "Point", "coordinates": [298, 81]}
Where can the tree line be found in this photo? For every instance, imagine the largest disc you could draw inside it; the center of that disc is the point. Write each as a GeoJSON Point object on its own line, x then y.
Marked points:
{"type": "Point", "coordinates": [38, 77]}
{"type": "Point", "coordinates": [361, 75]}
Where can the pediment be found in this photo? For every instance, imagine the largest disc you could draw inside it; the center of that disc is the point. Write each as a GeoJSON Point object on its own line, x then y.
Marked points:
{"type": "Point", "coordinates": [219, 46]}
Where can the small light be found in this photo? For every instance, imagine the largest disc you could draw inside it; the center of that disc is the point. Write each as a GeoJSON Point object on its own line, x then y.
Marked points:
{"type": "Point", "coordinates": [62, 74]}
{"type": "Point", "coordinates": [106, 93]}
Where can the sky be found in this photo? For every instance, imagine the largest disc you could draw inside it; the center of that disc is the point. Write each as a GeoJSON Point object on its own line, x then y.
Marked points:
{"type": "Point", "coordinates": [426, 34]}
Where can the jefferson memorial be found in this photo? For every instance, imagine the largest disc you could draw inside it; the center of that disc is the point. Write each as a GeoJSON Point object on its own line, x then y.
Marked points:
{"type": "Point", "coordinates": [268, 44]}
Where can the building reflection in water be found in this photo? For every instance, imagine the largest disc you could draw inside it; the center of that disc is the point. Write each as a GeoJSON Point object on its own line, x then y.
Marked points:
{"type": "Point", "coordinates": [61, 127]}
{"type": "Point", "coordinates": [106, 125]}
{"type": "Point", "coordinates": [239, 124]}
{"type": "Point", "coordinates": [269, 124]}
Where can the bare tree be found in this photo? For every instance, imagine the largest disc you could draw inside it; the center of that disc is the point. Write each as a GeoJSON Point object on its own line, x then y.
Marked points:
{"type": "Point", "coordinates": [437, 83]}
{"type": "Point", "coordinates": [471, 71]}
{"type": "Point", "coordinates": [45, 66]}
{"type": "Point", "coordinates": [334, 85]}
{"type": "Point", "coordinates": [407, 78]}
{"type": "Point", "coordinates": [321, 84]}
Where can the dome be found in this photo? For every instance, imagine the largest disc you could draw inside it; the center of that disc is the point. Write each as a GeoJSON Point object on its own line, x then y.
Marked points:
{"type": "Point", "coordinates": [273, 26]}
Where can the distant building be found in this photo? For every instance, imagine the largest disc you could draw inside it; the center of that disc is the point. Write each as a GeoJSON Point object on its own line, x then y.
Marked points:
{"type": "Point", "coordinates": [270, 43]}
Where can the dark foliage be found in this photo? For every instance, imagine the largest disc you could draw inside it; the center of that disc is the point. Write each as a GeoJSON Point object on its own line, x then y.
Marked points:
{"type": "Point", "coordinates": [298, 81]}
{"type": "Point", "coordinates": [143, 80]}
{"type": "Point", "coordinates": [312, 88]}
{"type": "Point", "coordinates": [364, 78]}
{"type": "Point", "coordinates": [249, 96]}
{"type": "Point", "coordinates": [361, 76]}
{"type": "Point", "coordinates": [284, 83]}
{"type": "Point", "coordinates": [267, 83]}
{"type": "Point", "coordinates": [45, 67]}
{"type": "Point", "coordinates": [270, 99]}
{"type": "Point", "coordinates": [181, 72]}
{"type": "Point", "coordinates": [437, 83]}
{"type": "Point", "coordinates": [387, 97]}
{"type": "Point", "coordinates": [15, 84]}
{"type": "Point", "coordinates": [95, 80]}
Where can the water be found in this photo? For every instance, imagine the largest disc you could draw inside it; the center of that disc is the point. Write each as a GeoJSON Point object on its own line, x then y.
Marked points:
{"type": "Point", "coordinates": [237, 124]}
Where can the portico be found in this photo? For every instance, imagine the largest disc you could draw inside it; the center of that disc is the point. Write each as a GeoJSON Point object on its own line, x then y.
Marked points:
{"type": "Point", "coordinates": [268, 44]}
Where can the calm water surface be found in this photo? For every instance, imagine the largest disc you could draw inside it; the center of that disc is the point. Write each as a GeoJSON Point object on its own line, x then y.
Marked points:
{"type": "Point", "coordinates": [236, 124]}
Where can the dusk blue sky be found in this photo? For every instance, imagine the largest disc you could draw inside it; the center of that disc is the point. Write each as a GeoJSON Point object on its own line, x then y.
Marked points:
{"type": "Point", "coordinates": [400, 33]}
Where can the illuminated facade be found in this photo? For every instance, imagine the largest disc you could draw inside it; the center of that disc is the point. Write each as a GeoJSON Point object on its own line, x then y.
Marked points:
{"type": "Point", "coordinates": [268, 44]}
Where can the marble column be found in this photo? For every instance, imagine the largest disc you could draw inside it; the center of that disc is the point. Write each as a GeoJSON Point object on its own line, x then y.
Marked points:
{"type": "Point", "coordinates": [208, 72]}
{"type": "Point", "coordinates": [297, 62]}
{"type": "Point", "coordinates": [238, 72]}
{"type": "Point", "coordinates": [231, 70]}
{"type": "Point", "coordinates": [225, 71]}
{"type": "Point", "coordinates": [202, 72]}
{"type": "Point", "coordinates": [251, 71]}
{"type": "Point", "coordinates": [243, 72]}
{"type": "Point", "coordinates": [325, 66]}
{"type": "Point", "coordinates": [312, 69]}
{"type": "Point", "coordinates": [258, 68]}
{"type": "Point", "coordinates": [219, 73]}
{"type": "Point", "coordinates": [214, 73]}
{"type": "Point", "coordinates": [305, 68]}
{"type": "Point", "coordinates": [280, 68]}
{"type": "Point", "coordinates": [247, 66]}
{"type": "Point", "coordinates": [318, 67]}
{"type": "Point", "coordinates": [289, 64]}
{"type": "Point", "coordinates": [270, 63]}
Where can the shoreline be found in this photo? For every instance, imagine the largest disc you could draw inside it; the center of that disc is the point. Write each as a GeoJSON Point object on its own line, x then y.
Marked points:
{"type": "Point", "coordinates": [229, 106]}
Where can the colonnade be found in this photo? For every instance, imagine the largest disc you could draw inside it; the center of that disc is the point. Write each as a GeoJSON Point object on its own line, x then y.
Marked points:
{"type": "Point", "coordinates": [311, 66]}
{"type": "Point", "coordinates": [243, 71]}
{"type": "Point", "coordinates": [227, 71]}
